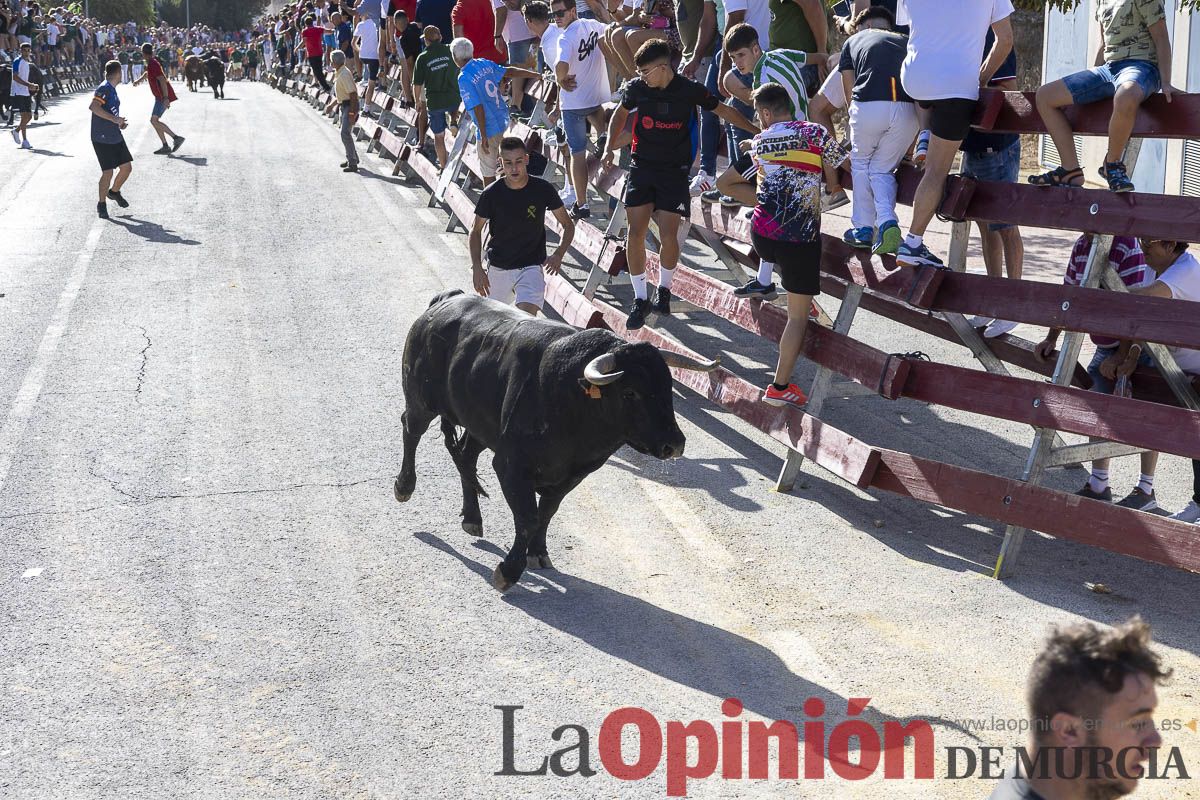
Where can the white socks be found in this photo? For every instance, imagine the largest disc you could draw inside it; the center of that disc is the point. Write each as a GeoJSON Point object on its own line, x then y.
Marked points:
{"type": "Point", "coordinates": [639, 286]}
{"type": "Point", "coordinates": [665, 277]}
{"type": "Point", "coordinates": [912, 240]}
{"type": "Point", "coordinates": [1099, 480]}
{"type": "Point", "coordinates": [1146, 483]}
{"type": "Point", "coordinates": [766, 272]}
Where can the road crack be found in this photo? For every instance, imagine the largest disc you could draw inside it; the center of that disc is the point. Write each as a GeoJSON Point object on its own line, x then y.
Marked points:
{"type": "Point", "coordinates": [141, 373]}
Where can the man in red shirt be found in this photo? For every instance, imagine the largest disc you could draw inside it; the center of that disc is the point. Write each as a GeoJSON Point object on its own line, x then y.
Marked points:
{"type": "Point", "coordinates": [164, 95]}
{"type": "Point", "coordinates": [475, 20]}
{"type": "Point", "coordinates": [314, 49]}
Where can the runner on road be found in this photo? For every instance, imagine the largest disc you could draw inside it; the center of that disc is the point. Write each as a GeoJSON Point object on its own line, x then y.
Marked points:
{"type": "Point", "coordinates": [21, 94]}
{"type": "Point", "coordinates": [164, 95]}
{"type": "Point", "coordinates": [109, 144]}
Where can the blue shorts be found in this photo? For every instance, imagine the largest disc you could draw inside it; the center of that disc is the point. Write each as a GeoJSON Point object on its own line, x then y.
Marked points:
{"type": "Point", "coordinates": [160, 107]}
{"type": "Point", "coordinates": [1099, 382]}
{"type": "Point", "coordinates": [1100, 83]}
{"type": "Point", "coordinates": [330, 41]}
{"type": "Point", "coordinates": [437, 119]}
{"type": "Point", "coordinates": [990, 165]}
{"type": "Point", "coordinates": [574, 122]}
{"type": "Point", "coordinates": [518, 52]}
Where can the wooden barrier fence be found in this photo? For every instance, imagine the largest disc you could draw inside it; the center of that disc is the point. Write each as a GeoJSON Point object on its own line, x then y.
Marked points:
{"type": "Point", "coordinates": [934, 301]}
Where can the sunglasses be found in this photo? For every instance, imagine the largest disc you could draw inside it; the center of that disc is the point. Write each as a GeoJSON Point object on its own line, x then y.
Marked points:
{"type": "Point", "coordinates": [559, 14]}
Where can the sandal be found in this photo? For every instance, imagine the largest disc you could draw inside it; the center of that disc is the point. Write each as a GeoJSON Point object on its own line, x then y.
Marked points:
{"type": "Point", "coordinates": [1117, 176]}
{"type": "Point", "coordinates": [1058, 177]}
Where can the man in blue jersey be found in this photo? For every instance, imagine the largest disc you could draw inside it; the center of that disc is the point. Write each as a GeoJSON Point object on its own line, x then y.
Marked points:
{"type": "Point", "coordinates": [665, 134]}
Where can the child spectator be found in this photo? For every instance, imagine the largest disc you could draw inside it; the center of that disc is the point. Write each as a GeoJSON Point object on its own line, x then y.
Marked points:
{"type": "Point", "coordinates": [883, 122]}
{"type": "Point", "coordinates": [1134, 62]}
{"type": "Point", "coordinates": [789, 157]}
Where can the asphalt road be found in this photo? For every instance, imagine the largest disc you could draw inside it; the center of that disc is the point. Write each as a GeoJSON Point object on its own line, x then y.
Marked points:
{"type": "Point", "coordinates": [208, 590]}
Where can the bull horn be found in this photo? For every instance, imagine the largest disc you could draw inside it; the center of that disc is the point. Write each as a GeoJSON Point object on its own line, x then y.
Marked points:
{"type": "Point", "coordinates": [681, 361]}
{"type": "Point", "coordinates": [602, 370]}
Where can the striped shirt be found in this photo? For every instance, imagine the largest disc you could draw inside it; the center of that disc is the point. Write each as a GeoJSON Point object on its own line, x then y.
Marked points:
{"type": "Point", "coordinates": [783, 67]}
{"type": "Point", "coordinates": [1125, 257]}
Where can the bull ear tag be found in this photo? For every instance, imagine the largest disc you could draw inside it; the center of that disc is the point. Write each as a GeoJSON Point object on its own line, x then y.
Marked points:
{"type": "Point", "coordinates": [590, 389]}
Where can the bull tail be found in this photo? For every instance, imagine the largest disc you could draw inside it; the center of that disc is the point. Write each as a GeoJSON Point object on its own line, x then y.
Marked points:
{"type": "Point", "coordinates": [446, 295]}
{"type": "Point", "coordinates": [470, 474]}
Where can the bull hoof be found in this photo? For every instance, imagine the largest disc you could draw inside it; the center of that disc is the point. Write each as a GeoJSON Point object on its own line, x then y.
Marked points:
{"type": "Point", "coordinates": [402, 493]}
{"type": "Point", "coordinates": [538, 562]}
{"type": "Point", "coordinates": [473, 528]}
{"type": "Point", "coordinates": [501, 583]}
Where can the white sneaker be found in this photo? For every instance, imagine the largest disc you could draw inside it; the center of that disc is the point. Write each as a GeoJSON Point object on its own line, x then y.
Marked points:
{"type": "Point", "coordinates": [1190, 514]}
{"type": "Point", "coordinates": [831, 201]}
{"type": "Point", "coordinates": [25, 145]}
{"type": "Point", "coordinates": [998, 328]}
{"type": "Point", "coordinates": [568, 196]}
{"type": "Point", "coordinates": [16, 136]}
{"type": "Point", "coordinates": [980, 322]}
{"type": "Point", "coordinates": [700, 184]}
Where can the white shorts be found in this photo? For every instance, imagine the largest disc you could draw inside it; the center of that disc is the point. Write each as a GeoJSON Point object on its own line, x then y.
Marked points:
{"type": "Point", "coordinates": [515, 286]}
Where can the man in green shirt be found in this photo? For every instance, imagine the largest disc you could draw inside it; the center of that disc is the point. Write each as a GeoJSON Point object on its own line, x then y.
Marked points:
{"type": "Point", "coordinates": [801, 25]}
{"type": "Point", "coordinates": [435, 83]}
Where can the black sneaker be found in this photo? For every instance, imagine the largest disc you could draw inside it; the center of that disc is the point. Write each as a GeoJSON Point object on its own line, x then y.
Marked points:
{"type": "Point", "coordinates": [756, 290]}
{"type": "Point", "coordinates": [711, 196]}
{"type": "Point", "coordinates": [121, 201]}
{"type": "Point", "coordinates": [102, 210]}
{"type": "Point", "coordinates": [580, 212]}
{"type": "Point", "coordinates": [344, 164]}
{"type": "Point", "coordinates": [637, 315]}
{"type": "Point", "coordinates": [729, 202]}
{"type": "Point", "coordinates": [1104, 497]}
{"type": "Point", "coordinates": [162, 151]}
{"type": "Point", "coordinates": [662, 301]}
{"type": "Point", "coordinates": [178, 143]}
{"type": "Point", "coordinates": [350, 168]}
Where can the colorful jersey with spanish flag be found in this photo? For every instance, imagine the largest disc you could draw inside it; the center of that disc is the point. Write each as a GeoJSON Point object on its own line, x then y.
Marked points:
{"type": "Point", "coordinates": [788, 159]}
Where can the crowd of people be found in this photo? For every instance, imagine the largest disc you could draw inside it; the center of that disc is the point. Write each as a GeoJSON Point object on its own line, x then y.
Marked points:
{"type": "Point", "coordinates": [908, 77]}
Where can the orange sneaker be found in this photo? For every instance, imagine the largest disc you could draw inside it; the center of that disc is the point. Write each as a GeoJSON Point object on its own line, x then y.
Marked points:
{"type": "Point", "coordinates": [791, 396]}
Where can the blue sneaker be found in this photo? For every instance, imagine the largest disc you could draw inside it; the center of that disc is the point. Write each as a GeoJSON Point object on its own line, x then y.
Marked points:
{"type": "Point", "coordinates": [859, 238]}
{"type": "Point", "coordinates": [889, 240]}
{"type": "Point", "coordinates": [914, 256]}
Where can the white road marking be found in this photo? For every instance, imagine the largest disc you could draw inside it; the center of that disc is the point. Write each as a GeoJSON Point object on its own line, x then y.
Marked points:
{"type": "Point", "coordinates": [22, 407]}
{"type": "Point", "coordinates": [32, 572]}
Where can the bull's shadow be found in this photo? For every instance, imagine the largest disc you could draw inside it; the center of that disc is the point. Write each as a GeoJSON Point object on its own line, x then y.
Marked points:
{"type": "Point", "coordinates": [681, 649]}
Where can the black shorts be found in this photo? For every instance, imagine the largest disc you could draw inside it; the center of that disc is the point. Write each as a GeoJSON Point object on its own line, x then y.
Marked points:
{"type": "Point", "coordinates": [663, 187]}
{"type": "Point", "coordinates": [950, 118]}
{"type": "Point", "coordinates": [22, 103]}
{"type": "Point", "coordinates": [799, 263]}
{"type": "Point", "coordinates": [371, 69]}
{"type": "Point", "coordinates": [113, 155]}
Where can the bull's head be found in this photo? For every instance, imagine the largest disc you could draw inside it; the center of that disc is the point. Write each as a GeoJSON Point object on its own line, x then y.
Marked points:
{"type": "Point", "coordinates": [637, 375]}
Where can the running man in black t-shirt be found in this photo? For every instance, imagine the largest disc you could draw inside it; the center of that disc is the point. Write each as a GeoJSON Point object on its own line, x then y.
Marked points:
{"type": "Point", "coordinates": [516, 249]}
{"type": "Point", "coordinates": [664, 147]}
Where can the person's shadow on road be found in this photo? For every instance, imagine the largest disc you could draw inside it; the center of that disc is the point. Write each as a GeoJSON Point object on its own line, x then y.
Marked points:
{"type": "Point", "coordinates": [195, 161]}
{"type": "Point", "coordinates": [42, 152]}
{"type": "Point", "coordinates": [151, 231]}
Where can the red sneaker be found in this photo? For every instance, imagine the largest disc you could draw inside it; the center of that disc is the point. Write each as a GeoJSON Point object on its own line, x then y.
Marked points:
{"type": "Point", "coordinates": [791, 396]}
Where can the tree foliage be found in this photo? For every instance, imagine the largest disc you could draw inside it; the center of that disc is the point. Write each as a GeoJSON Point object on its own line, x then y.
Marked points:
{"type": "Point", "coordinates": [120, 11]}
{"type": "Point", "coordinates": [221, 14]}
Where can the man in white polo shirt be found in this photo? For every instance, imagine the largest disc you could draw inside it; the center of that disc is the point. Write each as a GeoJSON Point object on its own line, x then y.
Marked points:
{"type": "Point", "coordinates": [943, 74]}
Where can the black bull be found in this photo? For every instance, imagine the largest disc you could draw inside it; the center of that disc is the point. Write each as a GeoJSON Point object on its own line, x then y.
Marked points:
{"type": "Point", "coordinates": [552, 404]}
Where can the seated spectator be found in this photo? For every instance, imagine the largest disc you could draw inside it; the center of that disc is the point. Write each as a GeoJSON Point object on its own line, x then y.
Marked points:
{"type": "Point", "coordinates": [1127, 260]}
{"type": "Point", "coordinates": [883, 122]}
{"type": "Point", "coordinates": [435, 83]}
{"type": "Point", "coordinates": [479, 82]}
{"type": "Point", "coordinates": [649, 20]}
{"type": "Point", "coordinates": [514, 38]}
{"type": "Point", "coordinates": [997, 157]}
{"type": "Point", "coordinates": [789, 158]}
{"type": "Point", "coordinates": [1089, 688]}
{"type": "Point", "coordinates": [943, 75]}
{"type": "Point", "coordinates": [1137, 62]}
